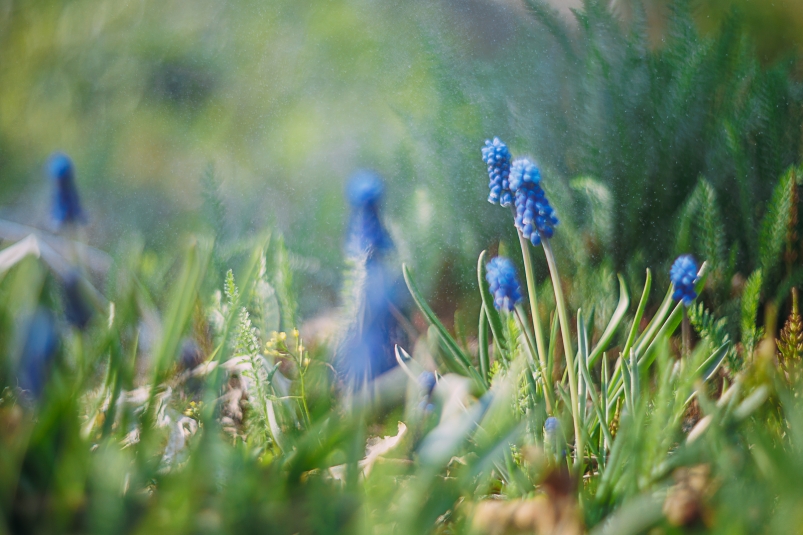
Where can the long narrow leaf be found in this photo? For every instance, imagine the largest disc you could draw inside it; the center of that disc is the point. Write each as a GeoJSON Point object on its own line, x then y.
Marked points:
{"type": "Point", "coordinates": [616, 319]}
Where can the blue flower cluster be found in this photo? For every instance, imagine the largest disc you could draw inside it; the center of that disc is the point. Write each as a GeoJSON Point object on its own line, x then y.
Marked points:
{"type": "Point", "coordinates": [535, 218]}
{"type": "Point", "coordinates": [683, 275]}
{"type": "Point", "coordinates": [66, 208]}
{"type": "Point", "coordinates": [497, 157]}
{"type": "Point", "coordinates": [504, 285]}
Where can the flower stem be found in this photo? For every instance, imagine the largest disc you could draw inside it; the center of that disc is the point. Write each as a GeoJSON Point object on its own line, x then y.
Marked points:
{"type": "Point", "coordinates": [541, 370]}
{"type": "Point", "coordinates": [533, 298]}
{"type": "Point", "coordinates": [560, 302]}
{"type": "Point", "coordinates": [685, 334]}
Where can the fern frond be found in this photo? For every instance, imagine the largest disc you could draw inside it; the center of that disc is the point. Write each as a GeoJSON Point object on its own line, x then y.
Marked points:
{"type": "Point", "coordinates": [711, 231]}
{"type": "Point", "coordinates": [553, 22]}
{"type": "Point", "coordinates": [751, 334]}
{"type": "Point", "coordinates": [775, 224]}
{"type": "Point", "coordinates": [714, 332]}
{"type": "Point", "coordinates": [213, 201]}
{"type": "Point", "coordinates": [230, 289]}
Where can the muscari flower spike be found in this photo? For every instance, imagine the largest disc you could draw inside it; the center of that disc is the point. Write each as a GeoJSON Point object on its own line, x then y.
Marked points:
{"type": "Point", "coordinates": [366, 349]}
{"type": "Point", "coordinates": [683, 275]}
{"type": "Point", "coordinates": [497, 157]}
{"type": "Point", "coordinates": [535, 217]}
{"type": "Point", "coordinates": [66, 209]}
{"type": "Point", "coordinates": [365, 231]}
{"type": "Point", "coordinates": [504, 285]}
{"type": "Point", "coordinates": [38, 351]}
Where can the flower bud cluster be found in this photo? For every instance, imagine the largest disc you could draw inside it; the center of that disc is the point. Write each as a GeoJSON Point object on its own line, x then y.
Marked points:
{"type": "Point", "coordinates": [497, 157]}
{"type": "Point", "coordinates": [683, 275]}
{"type": "Point", "coordinates": [535, 217]}
{"type": "Point", "coordinates": [503, 283]}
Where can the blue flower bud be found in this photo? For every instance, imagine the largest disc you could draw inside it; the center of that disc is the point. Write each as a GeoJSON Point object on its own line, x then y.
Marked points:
{"type": "Point", "coordinates": [38, 350]}
{"type": "Point", "coordinates": [426, 380]}
{"type": "Point", "coordinates": [683, 275]}
{"type": "Point", "coordinates": [66, 209]}
{"type": "Point", "coordinates": [554, 441]}
{"type": "Point", "coordinates": [76, 307]}
{"type": "Point", "coordinates": [535, 217]}
{"type": "Point", "coordinates": [497, 157]}
{"type": "Point", "coordinates": [503, 283]}
{"type": "Point", "coordinates": [551, 426]}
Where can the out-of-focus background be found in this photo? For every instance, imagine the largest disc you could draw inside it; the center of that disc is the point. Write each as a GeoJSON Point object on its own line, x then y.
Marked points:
{"type": "Point", "coordinates": [274, 104]}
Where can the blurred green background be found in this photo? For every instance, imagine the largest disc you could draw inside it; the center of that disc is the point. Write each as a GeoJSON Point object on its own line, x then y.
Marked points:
{"type": "Point", "coordinates": [284, 100]}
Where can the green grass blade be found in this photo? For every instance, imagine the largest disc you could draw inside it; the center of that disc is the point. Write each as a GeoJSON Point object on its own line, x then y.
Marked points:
{"type": "Point", "coordinates": [453, 351]}
{"type": "Point", "coordinates": [616, 319]}
{"type": "Point", "coordinates": [645, 295]}
{"type": "Point", "coordinates": [494, 320]}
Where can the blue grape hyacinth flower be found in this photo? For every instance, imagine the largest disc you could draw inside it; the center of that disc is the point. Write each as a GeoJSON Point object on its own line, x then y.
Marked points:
{"type": "Point", "coordinates": [497, 157]}
{"type": "Point", "coordinates": [535, 217]}
{"type": "Point", "coordinates": [372, 293]}
{"type": "Point", "coordinates": [503, 282]}
{"type": "Point", "coordinates": [38, 351]}
{"type": "Point", "coordinates": [66, 209]}
{"type": "Point", "coordinates": [683, 275]}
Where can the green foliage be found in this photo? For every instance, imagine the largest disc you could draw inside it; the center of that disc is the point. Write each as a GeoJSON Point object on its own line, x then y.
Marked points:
{"type": "Point", "coordinates": [132, 435]}
{"type": "Point", "coordinates": [714, 332]}
{"type": "Point", "coordinates": [776, 223]}
{"type": "Point", "coordinates": [647, 121]}
{"type": "Point", "coordinates": [751, 334]}
{"type": "Point", "coordinates": [282, 281]}
{"type": "Point", "coordinates": [702, 230]}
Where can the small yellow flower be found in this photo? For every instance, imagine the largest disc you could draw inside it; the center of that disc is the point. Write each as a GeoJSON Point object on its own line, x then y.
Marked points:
{"type": "Point", "coordinates": [282, 336]}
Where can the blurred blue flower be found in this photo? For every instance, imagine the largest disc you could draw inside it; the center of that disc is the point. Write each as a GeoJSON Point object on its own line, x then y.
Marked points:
{"type": "Point", "coordinates": [426, 380]}
{"type": "Point", "coordinates": [535, 217]}
{"type": "Point", "coordinates": [76, 307]}
{"type": "Point", "coordinates": [497, 157]}
{"type": "Point", "coordinates": [554, 441]}
{"type": "Point", "coordinates": [372, 293]}
{"type": "Point", "coordinates": [365, 230]}
{"type": "Point", "coordinates": [683, 275]}
{"type": "Point", "coordinates": [66, 209]}
{"type": "Point", "coordinates": [38, 350]}
{"type": "Point", "coordinates": [551, 426]}
{"type": "Point", "coordinates": [504, 285]}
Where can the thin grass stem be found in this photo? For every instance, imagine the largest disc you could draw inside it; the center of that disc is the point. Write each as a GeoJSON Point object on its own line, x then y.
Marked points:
{"type": "Point", "coordinates": [560, 303]}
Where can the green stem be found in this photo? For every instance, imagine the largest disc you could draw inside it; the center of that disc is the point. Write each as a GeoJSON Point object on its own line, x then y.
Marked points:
{"type": "Point", "coordinates": [541, 369]}
{"type": "Point", "coordinates": [533, 298]}
{"type": "Point", "coordinates": [560, 303]}
{"type": "Point", "coordinates": [686, 334]}
{"type": "Point", "coordinates": [302, 371]}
